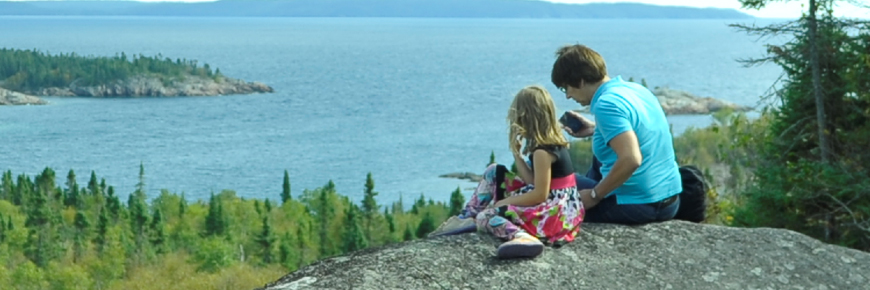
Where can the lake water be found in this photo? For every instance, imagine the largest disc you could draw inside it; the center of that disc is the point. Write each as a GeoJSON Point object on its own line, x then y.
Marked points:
{"type": "Point", "coordinates": [404, 99]}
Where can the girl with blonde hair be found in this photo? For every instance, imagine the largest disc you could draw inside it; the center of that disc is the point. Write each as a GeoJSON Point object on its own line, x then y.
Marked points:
{"type": "Point", "coordinates": [539, 203]}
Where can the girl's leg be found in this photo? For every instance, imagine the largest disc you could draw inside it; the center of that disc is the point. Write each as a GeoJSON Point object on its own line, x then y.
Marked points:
{"type": "Point", "coordinates": [519, 243]}
{"type": "Point", "coordinates": [488, 190]}
{"type": "Point", "coordinates": [491, 222]}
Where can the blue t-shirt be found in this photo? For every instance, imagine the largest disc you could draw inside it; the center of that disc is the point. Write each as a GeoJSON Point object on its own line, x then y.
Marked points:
{"type": "Point", "coordinates": [620, 106]}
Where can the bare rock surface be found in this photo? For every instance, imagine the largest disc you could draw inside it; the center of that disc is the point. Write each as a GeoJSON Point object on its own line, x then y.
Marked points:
{"type": "Point", "coordinates": [677, 102]}
{"type": "Point", "coordinates": [143, 86]}
{"type": "Point", "coordinates": [463, 175]}
{"type": "Point", "coordinates": [670, 255]}
{"type": "Point", "coordinates": [8, 97]}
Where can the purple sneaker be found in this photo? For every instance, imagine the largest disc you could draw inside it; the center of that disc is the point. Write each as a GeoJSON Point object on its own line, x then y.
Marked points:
{"type": "Point", "coordinates": [522, 246]}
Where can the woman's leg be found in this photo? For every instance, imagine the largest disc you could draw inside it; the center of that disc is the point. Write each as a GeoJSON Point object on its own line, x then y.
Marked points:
{"type": "Point", "coordinates": [608, 211]}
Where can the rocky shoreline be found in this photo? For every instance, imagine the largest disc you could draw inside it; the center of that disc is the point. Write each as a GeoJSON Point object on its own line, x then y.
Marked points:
{"type": "Point", "coordinates": [140, 86]}
{"type": "Point", "coordinates": [677, 102]}
{"type": "Point", "coordinates": [8, 97]}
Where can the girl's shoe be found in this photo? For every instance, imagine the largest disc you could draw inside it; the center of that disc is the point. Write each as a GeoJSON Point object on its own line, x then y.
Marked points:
{"type": "Point", "coordinates": [522, 245]}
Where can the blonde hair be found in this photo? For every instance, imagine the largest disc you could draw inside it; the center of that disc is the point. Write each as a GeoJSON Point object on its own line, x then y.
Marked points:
{"type": "Point", "coordinates": [532, 117]}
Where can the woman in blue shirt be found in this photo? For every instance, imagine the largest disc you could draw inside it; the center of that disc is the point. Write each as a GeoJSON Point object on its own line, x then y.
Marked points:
{"type": "Point", "coordinates": [631, 141]}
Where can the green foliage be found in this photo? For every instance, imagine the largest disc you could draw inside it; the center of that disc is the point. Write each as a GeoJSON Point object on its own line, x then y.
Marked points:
{"type": "Point", "coordinates": [285, 188]}
{"type": "Point", "coordinates": [31, 69]}
{"type": "Point", "coordinates": [457, 202]}
{"type": "Point", "coordinates": [96, 246]}
{"type": "Point", "coordinates": [794, 187]}
{"type": "Point", "coordinates": [266, 241]}
{"type": "Point", "coordinates": [353, 237]}
{"type": "Point", "coordinates": [427, 225]}
{"type": "Point", "coordinates": [491, 158]}
{"type": "Point", "coordinates": [213, 254]}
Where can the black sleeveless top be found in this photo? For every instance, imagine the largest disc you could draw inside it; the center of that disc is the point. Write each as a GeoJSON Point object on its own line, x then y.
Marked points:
{"type": "Point", "coordinates": [562, 166]}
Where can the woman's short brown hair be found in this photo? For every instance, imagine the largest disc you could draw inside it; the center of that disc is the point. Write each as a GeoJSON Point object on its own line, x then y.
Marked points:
{"type": "Point", "coordinates": [575, 63]}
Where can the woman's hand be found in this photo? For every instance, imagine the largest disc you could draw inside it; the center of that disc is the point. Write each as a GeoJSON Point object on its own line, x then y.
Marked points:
{"type": "Point", "coordinates": [586, 198]}
{"type": "Point", "coordinates": [588, 126]}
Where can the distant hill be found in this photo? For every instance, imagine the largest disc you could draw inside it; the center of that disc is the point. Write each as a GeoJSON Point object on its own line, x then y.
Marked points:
{"type": "Point", "coordinates": [367, 8]}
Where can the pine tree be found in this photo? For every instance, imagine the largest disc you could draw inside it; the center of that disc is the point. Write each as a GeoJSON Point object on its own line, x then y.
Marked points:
{"type": "Point", "coordinates": [491, 158]}
{"type": "Point", "coordinates": [72, 192]}
{"type": "Point", "coordinates": [301, 237]}
{"type": "Point", "coordinates": [266, 241]}
{"type": "Point", "coordinates": [370, 206]}
{"type": "Point", "coordinates": [285, 192]}
{"type": "Point", "coordinates": [268, 206]}
{"type": "Point", "coordinates": [325, 214]}
{"type": "Point", "coordinates": [391, 223]}
{"type": "Point", "coordinates": [418, 204]}
{"type": "Point", "coordinates": [80, 237]}
{"type": "Point", "coordinates": [215, 222]}
{"type": "Point", "coordinates": [93, 186]}
{"type": "Point", "coordinates": [285, 252]}
{"type": "Point", "coordinates": [113, 204]}
{"type": "Point", "coordinates": [42, 243]}
{"type": "Point", "coordinates": [182, 206]}
{"type": "Point", "coordinates": [21, 193]}
{"type": "Point", "coordinates": [353, 236]}
{"type": "Point", "coordinates": [158, 232]}
{"type": "Point", "coordinates": [102, 186]}
{"type": "Point", "coordinates": [102, 230]}
{"type": "Point", "coordinates": [427, 225]}
{"type": "Point", "coordinates": [2, 229]}
{"type": "Point", "coordinates": [137, 204]}
{"type": "Point", "coordinates": [7, 187]}
{"type": "Point", "coordinates": [457, 202]}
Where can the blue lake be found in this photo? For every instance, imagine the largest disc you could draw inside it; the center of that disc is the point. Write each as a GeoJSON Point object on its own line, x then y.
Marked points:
{"type": "Point", "coordinates": [404, 99]}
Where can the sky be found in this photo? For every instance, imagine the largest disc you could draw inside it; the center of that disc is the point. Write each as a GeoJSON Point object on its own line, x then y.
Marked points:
{"type": "Point", "coordinates": [779, 9]}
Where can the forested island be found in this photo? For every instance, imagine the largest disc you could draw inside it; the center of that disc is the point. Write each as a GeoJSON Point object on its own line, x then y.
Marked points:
{"type": "Point", "coordinates": [36, 73]}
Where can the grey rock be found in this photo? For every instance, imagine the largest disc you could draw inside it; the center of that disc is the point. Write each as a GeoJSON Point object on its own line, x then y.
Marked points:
{"type": "Point", "coordinates": [146, 86]}
{"type": "Point", "coordinates": [677, 102]}
{"type": "Point", "coordinates": [8, 97]}
{"type": "Point", "coordinates": [463, 175]}
{"type": "Point", "coordinates": [670, 255]}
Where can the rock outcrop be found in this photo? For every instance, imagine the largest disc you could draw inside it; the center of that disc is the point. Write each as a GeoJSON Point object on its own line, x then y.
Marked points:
{"type": "Point", "coordinates": [677, 102]}
{"type": "Point", "coordinates": [142, 86]}
{"type": "Point", "coordinates": [463, 175]}
{"type": "Point", "coordinates": [8, 97]}
{"type": "Point", "coordinates": [670, 255]}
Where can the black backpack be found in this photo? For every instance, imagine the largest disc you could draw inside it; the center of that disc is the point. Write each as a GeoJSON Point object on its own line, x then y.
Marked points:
{"type": "Point", "coordinates": [693, 199]}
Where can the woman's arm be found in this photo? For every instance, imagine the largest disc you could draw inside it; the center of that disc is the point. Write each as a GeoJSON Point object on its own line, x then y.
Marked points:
{"type": "Point", "coordinates": [543, 167]}
{"type": "Point", "coordinates": [628, 159]}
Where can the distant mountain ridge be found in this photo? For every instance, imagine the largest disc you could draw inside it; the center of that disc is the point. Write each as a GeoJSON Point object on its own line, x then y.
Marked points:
{"type": "Point", "coordinates": [367, 8]}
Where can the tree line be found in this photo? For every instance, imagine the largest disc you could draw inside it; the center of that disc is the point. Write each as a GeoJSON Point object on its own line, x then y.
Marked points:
{"type": "Point", "coordinates": [75, 236]}
{"type": "Point", "coordinates": [28, 70]}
